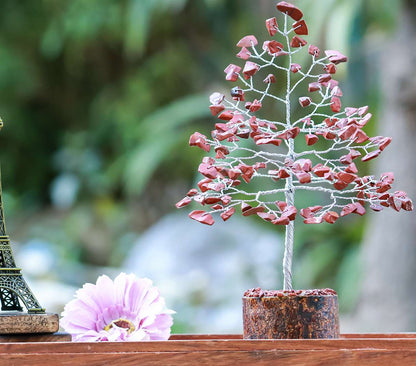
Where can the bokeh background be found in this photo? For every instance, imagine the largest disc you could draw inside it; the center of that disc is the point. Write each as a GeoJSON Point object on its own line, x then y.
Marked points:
{"type": "Point", "coordinates": [99, 98]}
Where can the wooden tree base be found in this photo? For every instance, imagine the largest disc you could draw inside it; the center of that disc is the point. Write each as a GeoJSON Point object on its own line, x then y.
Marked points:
{"type": "Point", "coordinates": [291, 317]}
{"type": "Point", "coordinates": [219, 350]}
{"type": "Point", "coordinates": [24, 323]}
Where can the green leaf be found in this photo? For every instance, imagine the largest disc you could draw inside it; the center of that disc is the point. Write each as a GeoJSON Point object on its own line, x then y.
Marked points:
{"type": "Point", "coordinates": [160, 133]}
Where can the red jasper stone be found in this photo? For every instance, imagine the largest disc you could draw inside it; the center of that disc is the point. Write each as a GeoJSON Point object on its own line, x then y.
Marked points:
{"type": "Point", "coordinates": [226, 116]}
{"type": "Point", "coordinates": [215, 109]}
{"type": "Point", "coordinates": [365, 119]}
{"type": "Point", "coordinates": [244, 54]}
{"type": "Point", "coordinates": [359, 137]}
{"type": "Point", "coordinates": [329, 176]}
{"type": "Point", "coordinates": [347, 209]}
{"type": "Point", "coordinates": [247, 41]}
{"type": "Point", "coordinates": [407, 204]}
{"type": "Point", "coordinates": [293, 132]}
{"type": "Point", "coordinates": [313, 50]}
{"type": "Point", "coordinates": [226, 200]}
{"type": "Point", "coordinates": [311, 139]}
{"type": "Point", "coordinates": [335, 104]}
{"type": "Point", "coordinates": [217, 207]}
{"type": "Point", "coordinates": [387, 177]}
{"type": "Point", "coordinates": [336, 91]}
{"type": "Point", "coordinates": [303, 177]}
{"type": "Point", "coordinates": [340, 185]}
{"type": "Point", "coordinates": [232, 72]}
{"type": "Point", "coordinates": [227, 213]}
{"type": "Point", "coordinates": [212, 200]}
{"type": "Point", "coordinates": [354, 154]}
{"type": "Point", "coordinates": [300, 27]}
{"type": "Point", "coordinates": [290, 212]}
{"type": "Point", "coordinates": [315, 86]}
{"type": "Point", "coordinates": [283, 220]}
{"type": "Point", "coordinates": [183, 202]}
{"type": "Point", "coordinates": [267, 216]}
{"type": "Point", "coordinates": [281, 204]}
{"type": "Point", "coordinates": [271, 25]}
{"type": "Point", "coordinates": [376, 208]}
{"type": "Point", "coordinates": [335, 57]}
{"type": "Point", "coordinates": [362, 110]}
{"type": "Point", "coordinates": [234, 173]}
{"type": "Point", "coordinates": [320, 170]}
{"type": "Point", "coordinates": [302, 165]}
{"type": "Point", "coordinates": [347, 133]}
{"type": "Point", "coordinates": [250, 68]}
{"type": "Point", "coordinates": [313, 220]}
{"type": "Point", "coordinates": [331, 216]}
{"type": "Point", "coordinates": [330, 68]}
{"type": "Point", "coordinates": [315, 208]}
{"type": "Point", "coordinates": [359, 209]}
{"type": "Point", "coordinates": [198, 139]}
{"type": "Point", "coordinates": [297, 42]}
{"type": "Point", "coordinates": [330, 121]}
{"type": "Point", "coordinates": [295, 68]}
{"type": "Point", "coordinates": [216, 98]}
{"type": "Point", "coordinates": [283, 174]}
{"type": "Point", "coordinates": [207, 170]}
{"type": "Point", "coordinates": [222, 127]}
{"type": "Point", "coordinates": [274, 47]}
{"type": "Point", "coordinates": [266, 141]}
{"type": "Point", "coordinates": [371, 155]}
{"type": "Point", "coordinates": [382, 142]}
{"type": "Point", "coordinates": [192, 192]}
{"type": "Point", "coordinates": [304, 101]}
{"type": "Point", "coordinates": [350, 111]}
{"type": "Point", "coordinates": [254, 106]}
{"type": "Point", "coordinates": [221, 151]}
{"type": "Point", "coordinates": [259, 165]}
{"type": "Point", "coordinates": [243, 133]}
{"type": "Point", "coordinates": [351, 168]}
{"type": "Point", "coordinates": [323, 78]}
{"type": "Point", "coordinates": [346, 177]}
{"type": "Point", "coordinates": [204, 184]}
{"type": "Point", "coordinates": [247, 172]}
{"type": "Point", "coordinates": [270, 79]}
{"type": "Point", "coordinates": [329, 135]}
{"type": "Point", "coordinates": [248, 210]}
{"type": "Point", "coordinates": [290, 9]}
{"type": "Point", "coordinates": [202, 217]}
{"type": "Point", "coordinates": [282, 135]}
{"type": "Point", "coordinates": [305, 213]}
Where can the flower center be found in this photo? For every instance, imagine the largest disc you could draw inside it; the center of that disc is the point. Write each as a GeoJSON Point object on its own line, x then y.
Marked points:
{"type": "Point", "coordinates": [121, 323]}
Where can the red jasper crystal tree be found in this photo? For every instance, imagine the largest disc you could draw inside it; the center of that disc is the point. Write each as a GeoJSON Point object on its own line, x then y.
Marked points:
{"type": "Point", "coordinates": [248, 147]}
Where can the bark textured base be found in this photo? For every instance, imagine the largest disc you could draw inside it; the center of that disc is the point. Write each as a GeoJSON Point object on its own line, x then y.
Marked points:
{"type": "Point", "coordinates": [291, 317]}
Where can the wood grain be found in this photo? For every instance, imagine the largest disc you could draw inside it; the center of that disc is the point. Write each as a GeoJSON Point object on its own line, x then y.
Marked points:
{"type": "Point", "coordinates": [350, 349]}
{"type": "Point", "coordinates": [39, 337]}
{"type": "Point", "coordinates": [23, 323]}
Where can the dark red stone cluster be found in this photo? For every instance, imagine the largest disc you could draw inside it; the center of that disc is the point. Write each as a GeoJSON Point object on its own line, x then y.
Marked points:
{"type": "Point", "coordinates": [258, 292]}
{"type": "Point", "coordinates": [241, 133]}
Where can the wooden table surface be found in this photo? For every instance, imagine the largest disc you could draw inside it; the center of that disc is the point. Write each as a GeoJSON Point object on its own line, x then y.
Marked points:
{"type": "Point", "coordinates": [351, 349]}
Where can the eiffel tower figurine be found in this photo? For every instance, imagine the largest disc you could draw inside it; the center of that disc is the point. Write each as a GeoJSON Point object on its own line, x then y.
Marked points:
{"type": "Point", "coordinates": [12, 284]}
{"type": "Point", "coordinates": [14, 292]}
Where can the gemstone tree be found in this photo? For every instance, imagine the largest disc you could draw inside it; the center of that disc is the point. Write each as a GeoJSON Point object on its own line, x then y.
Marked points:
{"type": "Point", "coordinates": [313, 152]}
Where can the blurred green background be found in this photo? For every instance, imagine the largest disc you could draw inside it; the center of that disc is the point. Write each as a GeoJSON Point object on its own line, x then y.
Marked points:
{"type": "Point", "coordinates": [99, 98]}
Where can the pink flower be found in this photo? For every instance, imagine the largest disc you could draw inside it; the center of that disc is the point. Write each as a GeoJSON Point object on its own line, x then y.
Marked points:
{"type": "Point", "coordinates": [128, 309]}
